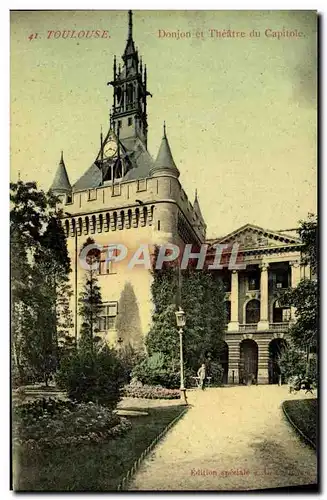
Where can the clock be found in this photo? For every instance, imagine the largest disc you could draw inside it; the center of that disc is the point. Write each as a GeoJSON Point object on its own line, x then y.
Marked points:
{"type": "Point", "coordinates": [110, 148]}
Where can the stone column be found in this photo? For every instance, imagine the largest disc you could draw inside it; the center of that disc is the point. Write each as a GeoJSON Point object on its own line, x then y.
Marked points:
{"type": "Point", "coordinates": [233, 325]}
{"type": "Point", "coordinates": [263, 359]}
{"type": "Point", "coordinates": [233, 360]}
{"type": "Point", "coordinates": [295, 279]}
{"type": "Point", "coordinates": [264, 320]}
{"type": "Point", "coordinates": [295, 273]}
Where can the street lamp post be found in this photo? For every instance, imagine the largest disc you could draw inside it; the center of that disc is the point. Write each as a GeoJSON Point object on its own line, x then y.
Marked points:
{"type": "Point", "coordinates": [180, 320]}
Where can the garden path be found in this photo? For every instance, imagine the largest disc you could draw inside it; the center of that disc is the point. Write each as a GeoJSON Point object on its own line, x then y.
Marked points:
{"type": "Point", "coordinates": [232, 438]}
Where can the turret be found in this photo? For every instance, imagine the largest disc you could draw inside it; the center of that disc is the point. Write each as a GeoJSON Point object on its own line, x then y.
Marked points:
{"type": "Point", "coordinates": [164, 164]}
{"type": "Point", "coordinates": [61, 184]}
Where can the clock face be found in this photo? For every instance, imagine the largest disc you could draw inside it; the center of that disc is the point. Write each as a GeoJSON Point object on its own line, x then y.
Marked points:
{"type": "Point", "coordinates": [110, 148]}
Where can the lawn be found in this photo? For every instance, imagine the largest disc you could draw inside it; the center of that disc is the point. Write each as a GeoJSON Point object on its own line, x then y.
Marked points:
{"type": "Point", "coordinates": [92, 467]}
{"type": "Point", "coordinates": [303, 413]}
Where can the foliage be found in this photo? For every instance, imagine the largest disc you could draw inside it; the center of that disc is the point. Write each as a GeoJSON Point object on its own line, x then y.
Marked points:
{"type": "Point", "coordinates": [39, 276]}
{"type": "Point", "coordinates": [308, 233]}
{"type": "Point", "coordinates": [51, 422]}
{"type": "Point", "coordinates": [129, 358]}
{"type": "Point", "coordinates": [82, 468]}
{"type": "Point", "coordinates": [128, 326]}
{"type": "Point", "coordinates": [90, 302]}
{"type": "Point", "coordinates": [92, 376]}
{"type": "Point", "coordinates": [303, 413]}
{"type": "Point", "coordinates": [202, 299]}
{"type": "Point", "coordinates": [295, 361]}
{"type": "Point", "coordinates": [150, 392]}
{"type": "Point", "coordinates": [158, 369]}
{"type": "Point", "coordinates": [215, 371]}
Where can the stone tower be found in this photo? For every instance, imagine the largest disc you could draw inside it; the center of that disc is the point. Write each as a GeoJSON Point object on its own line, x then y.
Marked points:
{"type": "Point", "coordinates": [126, 198]}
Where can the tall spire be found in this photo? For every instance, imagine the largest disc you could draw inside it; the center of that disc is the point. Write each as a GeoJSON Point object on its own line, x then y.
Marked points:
{"type": "Point", "coordinates": [61, 182]}
{"type": "Point", "coordinates": [130, 25]}
{"type": "Point", "coordinates": [130, 50]}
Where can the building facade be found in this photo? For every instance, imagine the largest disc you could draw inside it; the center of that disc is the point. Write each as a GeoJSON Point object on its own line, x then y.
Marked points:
{"type": "Point", "coordinates": [127, 198]}
{"type": "Point", "coordinates": [257, 319]}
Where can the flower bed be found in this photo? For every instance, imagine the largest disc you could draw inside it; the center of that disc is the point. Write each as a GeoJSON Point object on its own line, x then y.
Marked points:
{"type": "Point", "coordinates": [150, 392]}
{"type": "Point", "coordinates": [45, 423]}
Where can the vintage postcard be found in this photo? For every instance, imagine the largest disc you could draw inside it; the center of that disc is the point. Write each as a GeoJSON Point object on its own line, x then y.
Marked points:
{"type": "Point", "coordinates": [163, 236]}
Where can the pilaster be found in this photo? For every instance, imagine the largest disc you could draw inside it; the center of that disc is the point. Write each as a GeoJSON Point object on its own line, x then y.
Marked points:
{"type": "Point", "coordinates": [264, 321]}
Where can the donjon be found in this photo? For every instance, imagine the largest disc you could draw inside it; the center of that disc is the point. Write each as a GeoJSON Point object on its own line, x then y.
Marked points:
{"type": "Point", "coordinates": [126, 197]}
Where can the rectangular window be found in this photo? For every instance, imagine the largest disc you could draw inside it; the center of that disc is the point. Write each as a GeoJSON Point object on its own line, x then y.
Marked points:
{"type": "Point", "coordinates": [254, 281]}
{"type": "Point", "coordinates": [130, 121]}
{"type": "Point", "coordinates": [141, 185]}
{"type": "Point", "coordinates": [286, 315]}
{"type": "Point", "coordinates": [116, 190]}
{"type": "Point", "coordinates": [282, 279]}
{"type": "Point", "coordinates": [92, 194]}
{"type": "Point", "coordinates": [108, 316]}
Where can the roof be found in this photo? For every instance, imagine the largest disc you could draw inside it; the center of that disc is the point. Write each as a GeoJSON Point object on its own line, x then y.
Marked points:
{"type": "Point", "coordinates": [138, 156]}
{"type": "Point", "coordinates": [196, 205]}
{"type": "Point", "coordinates": [251, 235]}
{"type": "Point", "coordinates": [61, 181]}
{"type": "Point", "coordinates": [165, 160]}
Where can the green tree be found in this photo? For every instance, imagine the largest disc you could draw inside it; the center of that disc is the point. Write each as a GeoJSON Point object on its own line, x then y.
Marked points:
{"type": "Point", "coordinates": [39, 268]}
{"type": "Point", "coordinates": [128, 326]}
{"type": "Point", "coordinates": [90, 301]}
{"type": "Point", "coordinates": [202, 298]}
{"type": "Point", "coordinates": [304, 331]}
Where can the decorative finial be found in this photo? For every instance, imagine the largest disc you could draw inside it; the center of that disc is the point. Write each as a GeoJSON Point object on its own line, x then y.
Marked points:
{"type": "Point", "coordinates": [164, 128]}
{"type": "Point", "coordinates": [130, 25]}
{"type": "Point", "coordinates": [196, 194]}
{"type": "Point", "coordinates": [62, 157]}
{"type": "Point", "coordinates": [18, 175]}
{"type": "Point", "coordinates": [115, 66]}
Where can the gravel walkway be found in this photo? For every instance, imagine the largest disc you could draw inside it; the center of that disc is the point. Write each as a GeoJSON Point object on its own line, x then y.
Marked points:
{"type": "Point", "coordinates": [233, 438]}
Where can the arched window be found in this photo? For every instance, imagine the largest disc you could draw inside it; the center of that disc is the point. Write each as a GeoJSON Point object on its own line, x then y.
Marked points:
{"type": "Point", "coordinates": [129, 215]}
{"type": "Point", "coordinates": [137, 216]}
{"type": "Point", "coordinates": [73, 227]}
{"type": "Point", "coordinates": [67, 227]}
{"type": "Point", "coordinates": [252, 312]}
{"type": "Point", "coordinates": [80, 225]}
{"type": "Point", "coordinates": [115, 220]}
{"type": "Point", "coordinates": [107, 221]}
{"type": "Point", "coordinates": [281, 313]}
{"type": "Point", "coordinates": [122, 218]}
{"type": "Point", "coordinates": [145, 215]}
{"type": "Point", "coordinates": [87, 225]}
{"type": "Point", "coordinates": [100, 223]}
{"type": "Point", "coordinates": [93, 226]}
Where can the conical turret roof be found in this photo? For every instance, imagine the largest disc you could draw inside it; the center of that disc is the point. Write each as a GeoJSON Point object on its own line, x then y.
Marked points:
{"type": "Point", "coordinates": [165, 161]}
{"type": "Point", "coordinates": [61, 182]}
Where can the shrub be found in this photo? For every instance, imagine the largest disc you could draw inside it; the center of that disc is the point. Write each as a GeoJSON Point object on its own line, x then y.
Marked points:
{"type": "Point", "coordinates": [216, 372]}
{"type": "Point", "coordinates": [50, 422]}
{"type": "Point", "coordinates": [150, 392]}
{"type": "Point", "coordinates": [158, 370]}
{"type": "Point", "coordinates": [92, 376]}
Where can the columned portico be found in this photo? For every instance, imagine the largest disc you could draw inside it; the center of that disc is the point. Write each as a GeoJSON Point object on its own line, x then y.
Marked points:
{"type": "Point", "coordinates": [233, 325]}
{"type": "Point", "coordinates": [264, 320]}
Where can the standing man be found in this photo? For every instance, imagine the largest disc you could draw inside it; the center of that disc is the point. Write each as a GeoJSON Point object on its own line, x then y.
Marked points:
{"type": "Point", "coordinates": [202, 376]}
